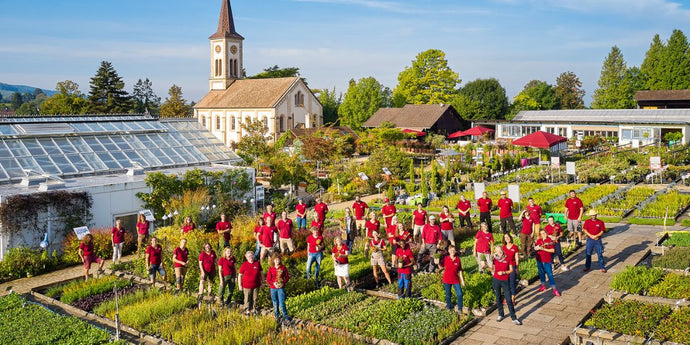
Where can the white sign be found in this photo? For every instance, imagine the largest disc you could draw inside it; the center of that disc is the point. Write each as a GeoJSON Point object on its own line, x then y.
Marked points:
{"type": "Point", "coordinates": [635, 143]}
{"type": "Point", "coordinates": [386, 171]}
{"type": "Point", "coordinates": [479, 188]}
{"type": "Point", "coordinates": [655, 163]}
{"type": "Point", "coordinates": [259, 193]}
{"type": "Point", "coordinates": [570, 168]}
{"type": "Point", "coordinates": [379, 185]}
{"type": "Point", "coordinates": [578, 143]}
{"type": "Point", "coordinates": [555, 162]}
{"type": "Point", "coordinates": [363, 176]}
{"type": "Point", "coordinates": [81, 232]}
{"type": "Point", "coordinates": [148, 214]}
{"type": "Point", "coordinates": [514, 192]}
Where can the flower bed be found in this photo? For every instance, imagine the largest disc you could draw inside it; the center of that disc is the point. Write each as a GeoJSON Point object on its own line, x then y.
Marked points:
{"type": "Point", "coordinates": [676, 327]}
{"type": "Point", "coordinates": [144, 315]}
{"type": "Point", "coordinates": [636, 279]}
{"type": "Point", "coordinates": [628, 317]}
{"type": "Point", "coordinates": [589, 196]}
{"type": "Point", "coordinates": [674, 258]}
{"type": "Point", "coordinates": [678, 240]}
{"type": "Point", "coordinates": [671, 202]}
{"type": "Point", "coordinates": [619, 207]}
{"type": "Point", "coordinates": [78, 289]}
{"type": "Point", "coordinates": [309, 335]}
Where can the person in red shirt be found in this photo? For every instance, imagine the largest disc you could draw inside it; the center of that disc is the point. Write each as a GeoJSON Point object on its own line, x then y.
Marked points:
{"type": "Point", "coordinates": [269, 213]}
{"type": "Point", "coordinates": [188, 225]}
{"type": "Point", "coordinates": [378, 246]}
{"type": "Point", "coordinates": [446, 219]}
{"type": "Point", "coordinates": [207, 263]}
{"type": "Point", "coordinates": [118, 239]}
{"type": "Point", "coordinates": [544, 247]}
{"type": "Point", "coordinates": [512, 253]}
{"type": "Point", "coordinates": [485, 204]}
{"type": "Point", "coordinates": [388, 211]}
{"type": "Point", "coordinates": [392, 234]}
{"type": "Point", "coordinates": [249, 281]}
{"type": "Point", "coordinates": [87, 255]}
{"type": "Point", "coordinates": [372, 225]}
{"type": "Point", "coordinates": [315, 246]}
{"type": "Point", "coordinates": [574, 209]}
{"type": "Point", "coordinates": [418, 222]}
{"type": "Point", "coordinates": [321, 210]}
{"type": "Point", "coordinates": [535, 214]}
{"type": "Point", "coordinates": [224, 228]}
{"type": "Point", "coordinates": [483, 241]}
{"type": "Point", "coordinates": [594, 228]}
{"type": "Point", "coordinates": [267, 237]}
{"type": "Point", "coordinates": [405, 261]}
{"type": "Point", "coordinates": [154, 261]}
{"type": "Point", "coordinates": [554, 231]}
{"type": "Point", "coordinates": [316, 222]}
{"type": "Point", "coordinates": [301, 209]}
{"type": "Point", "coordinates": [464, 207]}
{"type": "Point", "coordinates": [257, 236]}
{"type": "Point", "coordinates": [226, 273]}
{"type": "Point", "coordinates": [276, 278]}
{"type": "Point", "coordinates": [505, 207]}
{"type": "Point", "coordinates": [285, 234]}
{"type": "Point", "coordinates": [341, 263]}
{"type": "Point", "coordinates": [526, 234]}
{"type": "Point", "coordinates": [502, 268]}
{"type": "Point", "coordinates": [403, 234]}
{"type": "Point", "coordinates": [453, 278]}
{"type": "Point", "coordinates": [431, 235]}
{"type": "Point", "coordinates": [180, 261]}
{"type": "Point", "coordinates": [361, 210]}
{"type": "Point", "coordinates": [142, 232]}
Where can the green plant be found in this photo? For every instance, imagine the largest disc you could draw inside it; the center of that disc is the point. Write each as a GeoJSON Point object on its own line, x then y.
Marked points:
{"type": "Point", "coordinates": [670, 203]}
{"type": "Point", "coordinates": [102, 245]}
{"type": "Point", "coordinates": [107, 308]}
{"type": "Point", "coordinates": [676, 327]}
{"type": "Point", "coordinates": [140, 315]}
{"type": "Point", "coordinates": [71, 293]}
{"type": "Point", "coordinates": [309, 335]}
{"type": "Point", "coordinates": [636, 279]}
{"type": "Point", "coordinates": [673, 286]}
{"type": "Point", "coordinates": [311, 299]}
{"type": "Point", "coordinates": [323, 310]}
{"type": "Point", "coordinates": [26, 262]}
{"type": "Point", "coordinates": [678, 240]}
{"type": "Point", "coordinates": [629, 317]}
{"type": "Point", "coordinates": [674, 258]}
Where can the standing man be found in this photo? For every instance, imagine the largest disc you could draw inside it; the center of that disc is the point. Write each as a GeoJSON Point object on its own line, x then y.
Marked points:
{"type": "Point", "coordinates": [321, 209]}
{"type": "Point", "coordinates": [431, 235]}
{"type": "Point", "coordinates": [485, 204]}
{"type": "Point", "coordinates": [594, 228]}
{"type": "Point", "coordinates": [269, 213]}
{"type": "Point", "coordinates": [301, 209]}
{"type": "Point", "coordinates": [388, 211]}
{"type": "Point", "coordinates": [505, 207]}
{"type": "Point", "coordinates": [573, 213]}
{"type": "Point", "coordinates": [464, 207]}
{"type": "Point", "coordinates": [535, 213]}
{"type": "Point", "coordinates": [223, 228]}
{"type": "Point", "coordinates": [361, 210]}
{"type": "Point", "coordinates": [418, 222]}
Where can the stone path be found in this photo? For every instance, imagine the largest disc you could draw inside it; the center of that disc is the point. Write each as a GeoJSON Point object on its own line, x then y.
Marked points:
{"type": "Point", "coordinates": [550, 320]}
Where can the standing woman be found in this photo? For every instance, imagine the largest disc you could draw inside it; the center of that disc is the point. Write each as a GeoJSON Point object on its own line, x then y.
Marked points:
{"type": "Point", "coordinates": [350, 223]}
{"type": "Point", "coordinates": [118, 240]}
{"type": "Point", "coordinates": [142, 231]}
{"type": "Point", "coordinates": [392, 235]}
{"type": "Point", "coordinates": [207, 263]}
{"type": "Point", "coordinates": [154, 261]}
{"type": "Point", "coordinates": [378, 245]}
{"type": "Point", "coordinates": [405, 262]}
{"type": "Point", "coordinates": [224, 227]}
{"type": "Point", "coordinates": [226, 272]}
{"type": "Point", "coordinates": [249, 282]}
{"type": "Point", "coordinates": [483, 241]}
{"type": "Point", "coordinates": [555, 232]}
{"type": "Point", "coordinates": [180, 261]}
{"type": "Point", "coordinates": [276, 278]}
{"type": "Point", "coordinates": [267, 239]}
{"type": "Point", "coordinates": [314, 253]}
{"type": "Point", "coordinates": [545, 249]}
{"type": "Point", "coordinates": [318, 223]}
{"type": "Point", "coordinates": [257, 235]}
{"type": "Point", "coordinates": [453, 277]}
{"type": "Point", "coordinates": [188, 225]}
{"type": "Point", "coordinates": [341, 264]}
{"type": "Point", "coordinates": [502, 269]}
{"type": "Point", "coordinates": [513, 254]}
{"type": "Point", "coordinates": [285, 231]}
{"type": "Point", "coordinates": [446, 219]}
{"type": "Point", "coordinates": [371, 225]}
{"type": "Point", "coordinates": [87, 255]}
{"type": "Point", "coordinates": [301, 209]}
{"type": "Point", "coordinates": [526, 234]}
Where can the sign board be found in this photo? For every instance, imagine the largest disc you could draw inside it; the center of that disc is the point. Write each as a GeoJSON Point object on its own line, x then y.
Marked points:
{"type": "Point", "coordinates": [635, 143]}
{"type": "Point", "coordinates": [386, 171]}
{"type": "Point", "coordinates": [81, 232]}
{"type": "Point", "coordinates": [148, 214]}
{"type": "Point", "coordinates": [514, 192]}
{"type": "Point", "coordinates": [570, 168]}
{"type": "Point", "coordinates": [479, 188]}
{"type": "Point", "coordinates": [259, 193]}
{"type": "Point", "coordinates": [480, 149]}
{"type": "Point", "coordinates": [655, 163]}
{"type": "Point", "coordinates": [379, 185]}
{"type": "Point", "coordinates": [363, 176]}
{"type": "Point", "coordinates": [578, 143]}
{"type": "Point", "coordinates": [555, 162]}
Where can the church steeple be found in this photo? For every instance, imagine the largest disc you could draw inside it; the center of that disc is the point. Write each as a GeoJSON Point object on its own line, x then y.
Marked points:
{"type": "Point", "coordinates": [226, 50]}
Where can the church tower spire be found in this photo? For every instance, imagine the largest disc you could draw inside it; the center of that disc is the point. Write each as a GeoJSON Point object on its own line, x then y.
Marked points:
{"type": "Point", "coordinates": [226, 50]}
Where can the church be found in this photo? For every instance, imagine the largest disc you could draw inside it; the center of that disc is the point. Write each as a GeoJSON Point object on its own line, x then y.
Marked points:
{"type": "Point", "coordinates": [280, 103]}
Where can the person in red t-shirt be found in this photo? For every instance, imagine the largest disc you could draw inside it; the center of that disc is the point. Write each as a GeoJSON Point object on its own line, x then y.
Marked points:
{"type": "Point", "coordinates": [388, 211]}
{"type": "Point", "coordinates": [154, 261]}
{"type": "Point", "coordinates": [276, 278]}
{"type": "Point", "coordinates": [224, 228]}
{"type": "Point", "coordinates": [226, 275]}
{"type": "Point", "coordinates": [267, 237]}
{"type": "Point", "coordinates": [502, 268]}
{"type": "Point", "coordinates": [361, 209]}
{"type": "Point", "coordinates": [269, 213]}
{"type": "Point", "coordinates": [372, 225]}
{"type": "Point", "coordinates": [285, 234]}
{"type": "Point", "coordinates": [207, 263]}
{"type": "Point", "coordinates": [594, 228]}
{"type": "Point", "coordinates": [505, 213]}
{"type": "Point", "coordinates": [87, 255]}
{"type": "Point", "coordinates": [535, 213]}
{"type": "Point", "coordinates": [485, 204]}
{"type": "Point", "coordinates": [249, 281]}
{"type": "Point", "coordinates": [418, 222]}
{"type": "Point", "coordinates": [180, 260]}
{"type": "Point", "coordinates": [512, 253]}
{"type": "Point", "coordinates": [483, 241]}
{"type": "Point", "coordinates": [554, 231]}
{"type": "Point", "coordinates": [321, 210]}
{"type": "Point", "coordinates": [405, 261]}
{"type": "Point", "coordinates": [341, 264]}
{"type": "Point", "coordinates": [453, 278]}
{"type": "Point", "coordinates": [392, 233]}
{"type": "Point", "coordinates": [316, 222]}
{"type": "Point", "coordinates": [446, 220]}
{"type": "Point", "coordinates": [431, 235]}
{"type": "Point", "coordinates": [574, 209]}
{"type": "Point", "coordinates": [301, 210]}
{"type": "Point", "coordinates": [378, 246]}
{"type": "Point", "coordinates": [315, 246]}
{"type": "Point", "coordinates": [118, 239]}
{"type": "Point", "coordinates": [257, 236]}
{"type": "Point", "coordinates": [526, 233]}
{"type": "Point", "coordinates": [188, 225]}
{"type": "Point", "coordinates": [464, 207]}
{"type": "Point", "coordinates": [545, 249]}
{"type": "Point", "coordinates": [403, 235]}
{"type": "Point", "coordinates": [142, 232]}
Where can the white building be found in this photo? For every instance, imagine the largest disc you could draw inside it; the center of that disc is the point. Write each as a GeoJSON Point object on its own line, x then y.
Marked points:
{"type": "Point", "coordinates": [281, 103]}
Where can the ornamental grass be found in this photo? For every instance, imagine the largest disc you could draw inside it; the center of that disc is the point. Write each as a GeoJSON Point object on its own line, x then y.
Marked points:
{"type": "Point", "coordinates": [628, 317]}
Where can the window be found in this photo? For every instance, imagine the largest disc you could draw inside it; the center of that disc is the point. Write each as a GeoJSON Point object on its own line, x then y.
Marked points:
{"type": "Point", "coordinates": [282, 123]}
{"type": "Point", "coordinates": [562, 131]}
{"type": "Point", "coordinates": [266, 121]}
{"type": "Point", "coordinates": [218, 69]}
{"type": "Point", "coordinates": [299, 99]}
{"type": "Point", "coordinates": [218, 122]}
{"type": "Point", "coordinates": [232, 122]}
{"type": "Point", "coordinates": [203, 121]}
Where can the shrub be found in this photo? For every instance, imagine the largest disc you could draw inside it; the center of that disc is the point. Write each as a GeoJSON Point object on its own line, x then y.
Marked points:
{"type": "Point", "coordinates": [140, 315]}
{"type": "Point", "coordinates": [82, 289]}
{"type": "Point", "coordinates": [674, 258]}
{"type": "Point", "coordinates": [428, 326]}
{"type": "Point", "coordinates": [629, 317]}
{"type": "Point", "coordinates": [636, 279]}
{"type": "Point", "coordinates": [673, 286]}
{"type": "Point", "coordinates": [102, 245]}
{"type": "Point", "coordinates": [676, 327]}
{"type": "Point", "coordinates": [107, 308]}
{"type": "Point", "coordinates": [26, 262]}
{"type": "Point", "coordinates": [678, 240]}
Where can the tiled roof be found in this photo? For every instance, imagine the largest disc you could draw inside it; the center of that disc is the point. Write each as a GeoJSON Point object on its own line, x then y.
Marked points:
{"type": "Point", "coordinates": [412, 116]}
{"type": "Point", "coordinates": [662, 95]}
{"type": "Point", "coordinates": [248, 93]}
{"type": "Point", "coordinates": [226, 24]}
{"type": "Point", "coordinates": [647, 116]}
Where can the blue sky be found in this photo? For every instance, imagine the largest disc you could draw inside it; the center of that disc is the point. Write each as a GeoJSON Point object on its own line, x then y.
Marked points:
{"type": "Point", "coordinates": [331, 41]}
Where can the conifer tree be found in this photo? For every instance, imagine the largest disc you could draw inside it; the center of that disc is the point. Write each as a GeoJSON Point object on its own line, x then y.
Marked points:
{"type": "Point", "coordinates": [614, 90]}
{"type": "Point", "coordinates": [675, 65]}
{"type": "Point", "coordinates": [107, 94]}
{"type": "Point", "coordinates": [174, 105]}
{"type": "Point", "coordinates": [651, 66]}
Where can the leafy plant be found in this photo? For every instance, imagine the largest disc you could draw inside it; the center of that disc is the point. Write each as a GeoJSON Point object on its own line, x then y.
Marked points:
{"type": "Point", "coordinates": [673, 286]}
{"type": "Point", "coordinates": [107, 308]}
{"type": "Point", "coordinates": [140, 315]}
{"type": "Point", "coordinates": [676, 327]}
{"type": "Point", "coordinates": [102, 244]}
{"type": "Point", "coordinates": [678, 240]}
{"type": "Point", "coordinates": [629, 317]}
{"type": "Point", "coordinates": [428, 326]}
{"type": "Point", "coordinates": [309, 335]}
{"type": "Point", "coordinates": [26, 262]}
{"type": "Point", "coordinates": [311, 299]}
{"type": "Point", "coordinates": [674, 258]}
{"type": "Point", "coordinates": [81, 289]}
{"type": "Point", "coordinates": [636, 279]}
{"type": "Point", "coordinates": [670, 203]}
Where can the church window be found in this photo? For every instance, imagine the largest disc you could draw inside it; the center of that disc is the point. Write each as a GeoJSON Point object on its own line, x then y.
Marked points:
{"type": "Point", "coordinates": [235, 69]}
{"type": "Point", "coordinates": [218, 67]}
{"type": "Point", "coordinates": [299, 99]}
{"type": "Point", "coordinates": [232, 67]}
{"type": "Point", "coordinates": [282, 123]}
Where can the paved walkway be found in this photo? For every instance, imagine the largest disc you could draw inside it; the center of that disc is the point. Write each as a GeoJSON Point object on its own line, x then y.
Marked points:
{"type": "Point", "coordinates": [550, 320]}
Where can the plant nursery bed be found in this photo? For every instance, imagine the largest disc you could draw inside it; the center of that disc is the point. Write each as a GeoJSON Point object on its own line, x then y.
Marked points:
{"type": "Point", "coordinates": [613, 294]}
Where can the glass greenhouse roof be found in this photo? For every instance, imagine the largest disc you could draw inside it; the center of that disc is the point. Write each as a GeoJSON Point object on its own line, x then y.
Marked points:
{"type": "Point", "coordinates": [73, 146]}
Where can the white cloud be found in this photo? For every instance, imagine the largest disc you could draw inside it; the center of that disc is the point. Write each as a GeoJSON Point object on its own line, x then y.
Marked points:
{"type": "Point", "coordinates": [647, 8]}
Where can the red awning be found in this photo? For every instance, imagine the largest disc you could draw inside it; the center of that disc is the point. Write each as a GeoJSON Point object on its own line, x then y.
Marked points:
{"type": "Point", "coordinates": [412, 131]}
{"type": "Point", "coordinates": [477, 131]}
{"type": "Point", "coordinates": [540, 139]}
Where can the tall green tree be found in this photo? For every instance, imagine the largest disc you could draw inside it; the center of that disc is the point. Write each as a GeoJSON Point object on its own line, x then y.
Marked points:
{"type": "Point", "coordinates": [107, 94]}
{"type": "Point", "coordinates": [363, 98]}
{"type": "Point", "coordinates": [68, 100]}
{"type": "Point", "coordinates": [482, 99]}
{"type": "Point", "coordinates": [145, 99]}
{"type": "Point", "coordinates": [652, 64]}
{"type": "Point", "coordinates": [276, 72]}
{"type": "Point", "coordinates": [174, 105]}
{"type": "Point", "coordinates": [16, 100]}
{"type": "Point", "coordinates": [254, 142]}
{"type": "Point", "coordinates": [429, 81]}
{"type": "Point", "coordinates": [536, 95]}
{"type": "Point", "coordinates": [569, 91]}
{"type": "Point", "coordinates": [330, 102]}
{"type": "Point", "coordinates": [615, 91]}
{"type": "Point", "coordinates": [675, 66]}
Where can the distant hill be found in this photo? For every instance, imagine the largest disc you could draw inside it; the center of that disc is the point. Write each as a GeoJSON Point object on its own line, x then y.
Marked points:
{"type": "Point", "coordinates": [7, 90]}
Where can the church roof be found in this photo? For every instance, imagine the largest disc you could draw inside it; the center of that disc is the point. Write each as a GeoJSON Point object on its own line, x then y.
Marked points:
{"type": "Point", "coordinates": [412, 116]}
{"type": "Point", "coordinates": [226, 24]}
{"type": "Point", "coordinates": [249, 93]}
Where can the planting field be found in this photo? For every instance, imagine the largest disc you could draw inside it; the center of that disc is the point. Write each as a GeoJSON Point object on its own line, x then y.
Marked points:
{"type": "Point", "coordinates": [670, 204]}
{"type": "Point", "coordinates": [618, 207]}
{"type": "Point", "coordinates": [589, 196]}
{"type": "Point", "coordinates": [543, 197]}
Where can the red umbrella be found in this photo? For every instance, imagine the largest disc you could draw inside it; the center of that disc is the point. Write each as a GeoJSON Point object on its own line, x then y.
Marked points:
{"type": "Point", "coordinates": [540, 139]}
{"type": "Point", "coordinates": [412, 131]}
{"type": "Point", "coordinates": [477, 131]}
